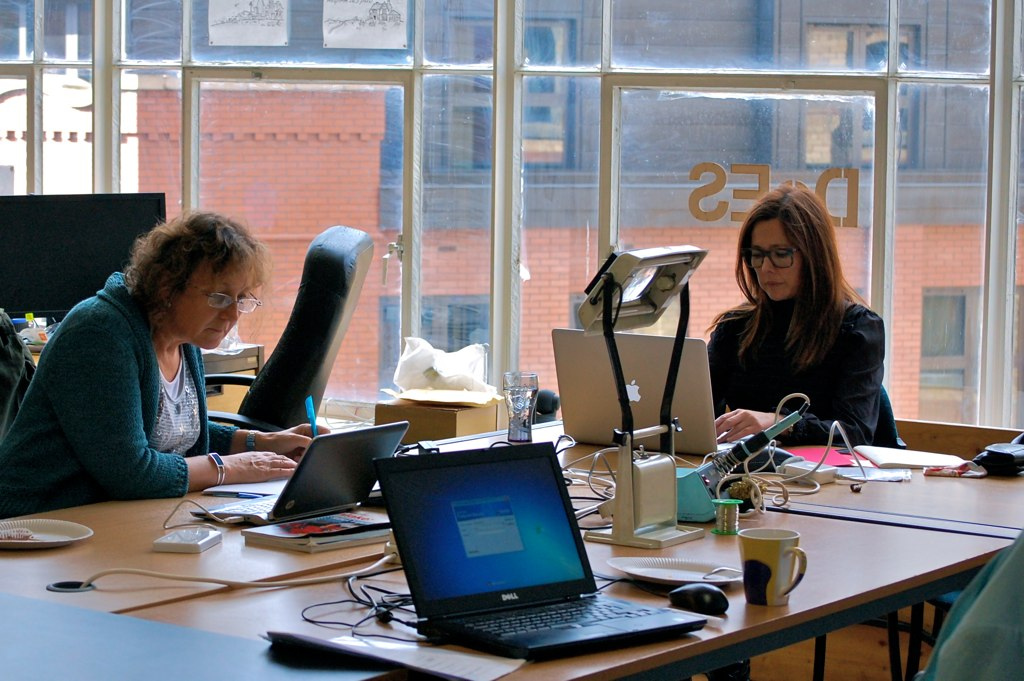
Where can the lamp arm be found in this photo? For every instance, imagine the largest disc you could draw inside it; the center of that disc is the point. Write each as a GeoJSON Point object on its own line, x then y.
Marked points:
{"type": "Point", "coordinates": [673, 369]}
{"type": "Point", "coordinates": [608, 326]}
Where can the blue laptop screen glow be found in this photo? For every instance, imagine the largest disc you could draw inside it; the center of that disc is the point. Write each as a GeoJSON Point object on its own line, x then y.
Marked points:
{"type": "Point", "coordinates": [485, 527]}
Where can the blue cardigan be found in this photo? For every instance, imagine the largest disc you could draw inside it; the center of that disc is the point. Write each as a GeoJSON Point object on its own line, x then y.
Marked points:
{"type": "Point", "coordinates": [82, 434]}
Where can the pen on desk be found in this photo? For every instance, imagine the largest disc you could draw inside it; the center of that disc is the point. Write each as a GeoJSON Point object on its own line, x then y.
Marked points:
{"type": "Point", "coordinates": [239, 495]}
{"type": "Point", "coordinates": [311, 414]}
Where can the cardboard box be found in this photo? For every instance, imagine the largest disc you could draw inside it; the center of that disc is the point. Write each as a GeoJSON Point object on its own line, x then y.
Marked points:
{"type": "Point", "coordinates": [433, 421]}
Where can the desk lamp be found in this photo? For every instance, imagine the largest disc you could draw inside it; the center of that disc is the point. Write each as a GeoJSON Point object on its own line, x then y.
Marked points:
{"type": "Point", "coordinates": [632, 290]}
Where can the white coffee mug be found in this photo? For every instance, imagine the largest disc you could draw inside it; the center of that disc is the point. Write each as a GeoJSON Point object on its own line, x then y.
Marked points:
{"type": "Point", "coordinates": [773, 564]}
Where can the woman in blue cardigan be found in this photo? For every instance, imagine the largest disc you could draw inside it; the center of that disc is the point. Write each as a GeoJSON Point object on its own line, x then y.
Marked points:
{"type": "Point", "coordinates": [117, 407]}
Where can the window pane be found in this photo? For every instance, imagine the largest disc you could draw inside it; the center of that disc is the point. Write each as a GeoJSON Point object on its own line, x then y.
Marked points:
{"type": "Point", "coordinates": [16, 29]}
{"type": "Point", "coordinates": [559, 252]}
{"type": "Point", "coordinates": [293, 160]}
{"type": "Point", "coordinates": [939, 249]}
{"type": "Point", "coordinates": [458, 33]}
{"type": "Point", "coordinates": [67, 30]}
{"type": "Point", "coordinates": [311, 32]}
{"type": "Point", "coordinates": [691, 165]}
{"type": "Point", "coordinates": [13, 131]}
{"type": "Point", "coordinates": [562, 32]}
{"type": "Point", "coordinates": [954, 35]}
{"type": "Point", "coordinates": [152, 30]}
{"type": "Point", "coordinates": [151, 134]}
{"type": "Point", "coordinates": [743, 34]}
{"type": "Point", "coordinates": [456, 244]}
{"type": "Point", "coordinates": [67, 131]}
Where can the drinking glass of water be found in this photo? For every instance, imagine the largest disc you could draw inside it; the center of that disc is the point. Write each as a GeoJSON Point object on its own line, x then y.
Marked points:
{"type": "Point", "coordinates": [520, 389]}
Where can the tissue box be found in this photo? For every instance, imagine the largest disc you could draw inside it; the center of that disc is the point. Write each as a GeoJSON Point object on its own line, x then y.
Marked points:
{"type": "Point", "coordinates": [432, 421]}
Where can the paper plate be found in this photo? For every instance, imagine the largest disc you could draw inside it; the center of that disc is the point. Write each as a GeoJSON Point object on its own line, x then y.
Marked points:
{"type": "Point", "coordinates": [677, 571]}
{"type": "Point", "coordinates": [46, 533]}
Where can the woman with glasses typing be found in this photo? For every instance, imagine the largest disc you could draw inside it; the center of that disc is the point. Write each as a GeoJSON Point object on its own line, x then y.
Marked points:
{"type": "Point", "coordinates": [117, 407]}
{"type": "Point", "coordinates": [802, 329]}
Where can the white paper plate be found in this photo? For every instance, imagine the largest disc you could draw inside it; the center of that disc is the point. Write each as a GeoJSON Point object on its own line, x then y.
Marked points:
{"type": "Point", "coordinates": [46, 533]}
{"type": "Point", "coordinates": [676, 571]}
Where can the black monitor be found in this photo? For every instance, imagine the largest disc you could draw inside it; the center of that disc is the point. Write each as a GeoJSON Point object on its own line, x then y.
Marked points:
{"type": "Point", "coordinates": [56, 250]}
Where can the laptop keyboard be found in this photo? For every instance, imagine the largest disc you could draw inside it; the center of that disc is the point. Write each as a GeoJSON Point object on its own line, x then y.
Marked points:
{"type": "Point", "coordinates": [569, 614]}
{"type": "Point", "coordinates": [252, 506]}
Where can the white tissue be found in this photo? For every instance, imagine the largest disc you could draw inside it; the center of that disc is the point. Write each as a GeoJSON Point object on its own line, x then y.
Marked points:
{"type": "Point", "coordinates": [422, 366]}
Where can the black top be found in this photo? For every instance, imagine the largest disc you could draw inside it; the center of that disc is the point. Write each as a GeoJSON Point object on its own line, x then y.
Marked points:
{"type": "Point", "coordinates": [844, 387]}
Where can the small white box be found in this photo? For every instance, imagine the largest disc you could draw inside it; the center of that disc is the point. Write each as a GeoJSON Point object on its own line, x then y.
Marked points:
{"type": "Point", "coordinates": [187, 540]}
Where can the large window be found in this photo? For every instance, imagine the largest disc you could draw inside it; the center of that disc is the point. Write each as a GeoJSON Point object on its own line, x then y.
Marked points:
{"type": "Point", "coordinates": [497, 151]}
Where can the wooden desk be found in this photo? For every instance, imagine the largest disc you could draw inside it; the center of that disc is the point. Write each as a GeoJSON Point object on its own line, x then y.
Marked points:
{"type": "Point", "coordinates": [990, 506]}
{"type": "Point", "coordinates": [123, 535]}
{"type": "Point", "coordinates": [843, 586]}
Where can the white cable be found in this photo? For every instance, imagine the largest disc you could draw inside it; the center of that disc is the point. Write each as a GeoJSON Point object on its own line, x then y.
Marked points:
{"type": "Point", "coordinates": [238, 584]}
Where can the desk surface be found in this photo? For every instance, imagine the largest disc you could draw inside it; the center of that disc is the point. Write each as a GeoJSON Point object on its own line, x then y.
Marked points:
{"type": "Point", "coordinates": [123, 536]}
{"type": "Point", "coordinates": [988, 506]}
{"type": "Point", "coordinates": [843, 585]}
{"type": "Point", "coordinates": [856, 571]}
{"type": "Point", "coordinates": [49, 641]}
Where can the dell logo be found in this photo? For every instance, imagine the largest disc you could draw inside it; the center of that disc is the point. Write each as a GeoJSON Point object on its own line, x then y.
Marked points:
{"type": "Point", "coordinates": [513, 596]}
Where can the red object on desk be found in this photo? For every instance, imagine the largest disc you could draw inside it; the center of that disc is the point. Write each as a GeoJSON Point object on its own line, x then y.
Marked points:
{"type": "Point", "coordinates": [835, 457]}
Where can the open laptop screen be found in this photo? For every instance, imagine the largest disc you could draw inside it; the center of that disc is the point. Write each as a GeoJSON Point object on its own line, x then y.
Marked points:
{"type": "Point", "coordinates": [473, 526]}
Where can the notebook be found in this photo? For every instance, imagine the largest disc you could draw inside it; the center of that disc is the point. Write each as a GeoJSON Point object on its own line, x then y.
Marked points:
{"type": "Point", "coordinates": [488, 539]}
{"type": "Point", "coordinates": [889, 457]}
{"type": "Point", "coordinates": [590, 405]}
{"type": "Point", "coordinates": [335, 473]}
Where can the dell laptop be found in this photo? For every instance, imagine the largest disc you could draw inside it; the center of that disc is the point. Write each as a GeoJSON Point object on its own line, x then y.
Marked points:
{"type": "Point", "coordinates": [590, 405]}
{"type": "Point", "coordinates": [495, 561]}
{"type": "Point", "coordinates": [334, 474]}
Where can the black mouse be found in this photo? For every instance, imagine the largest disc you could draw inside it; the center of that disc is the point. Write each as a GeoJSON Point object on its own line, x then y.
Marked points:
{"type": "Point", "coordinates": [707, 599]}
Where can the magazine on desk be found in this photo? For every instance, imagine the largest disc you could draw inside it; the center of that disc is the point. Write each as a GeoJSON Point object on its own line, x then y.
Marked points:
{"type": "Point", "coordinates": [336, 531]}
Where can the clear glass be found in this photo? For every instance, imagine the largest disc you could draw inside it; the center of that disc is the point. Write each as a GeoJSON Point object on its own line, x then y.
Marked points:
{"type": "Point", "coordinates": [13, 149]}
{"type": "Point", "coordinates": [939, 254]}
{"type": "Point", "coordinates": [954, 37]}
{"type": "Point", "coordinates": [67, 131]}
{"type": "Point", "coordinates": [692, 164]}
{"type": "Point", "coordinates": [458, 33]}
{"type": "Point", "coordinates": [152, 30]}
{"type": "Point", "coordinates": [17, 30]}
{"type": "Point", "coordinates": [559, 252]}
{"type": "Point", "coordinates": [67, 30]}
{"type": "Point", "coordinates": [736, 34]}
{"type": "Point", "coordinates": [562, 33]}
{"type": "Point", "coordinates": [456, 206]}
{"type": "Point", "coordinates": [292, 160]}
{"type": "Point", "coordinates": [151, 134]}
{"type": "Point", "coordinates": [310, 32]}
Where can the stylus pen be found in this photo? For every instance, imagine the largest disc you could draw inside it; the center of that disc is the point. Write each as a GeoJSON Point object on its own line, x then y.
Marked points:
{"type": "Point", "coordinates": [311, 414]}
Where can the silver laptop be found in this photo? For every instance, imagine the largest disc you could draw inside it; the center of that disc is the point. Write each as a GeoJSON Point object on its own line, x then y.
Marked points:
{"type": "Point", "coordinates": [335, 473]}
{"type": "Point", "coordinates": [590, 406]}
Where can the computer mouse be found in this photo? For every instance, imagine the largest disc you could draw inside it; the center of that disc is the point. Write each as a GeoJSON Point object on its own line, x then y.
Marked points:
{"type": "Point", "coordinates": [707, 599]}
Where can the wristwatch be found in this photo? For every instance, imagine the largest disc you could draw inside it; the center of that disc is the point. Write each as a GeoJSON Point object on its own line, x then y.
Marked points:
{"type": "Point", "coordinates": [250, 440]}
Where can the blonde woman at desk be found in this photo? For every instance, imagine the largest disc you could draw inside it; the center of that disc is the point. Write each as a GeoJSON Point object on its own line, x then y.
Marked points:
{"type": "Point", "coordinates": [117, 407]}
{"type": "Point", "coordinates": [801, 329]}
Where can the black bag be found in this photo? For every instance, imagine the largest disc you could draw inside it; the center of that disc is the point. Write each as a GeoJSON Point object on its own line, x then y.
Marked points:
{"type": "Point", "coordinates": [1003, 459]}
{"type": "Point", "coordinates": [16, 369]}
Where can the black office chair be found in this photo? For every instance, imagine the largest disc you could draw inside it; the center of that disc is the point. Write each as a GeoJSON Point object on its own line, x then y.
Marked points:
{"type": "Point", "coordinates": [547, 406]}
{"type": "Point", "coordinates": [332, 278]}
{"type": "Point", "coordinates": [16, 369]}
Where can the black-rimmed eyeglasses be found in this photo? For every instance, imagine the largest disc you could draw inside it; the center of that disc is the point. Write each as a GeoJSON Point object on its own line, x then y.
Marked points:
{"type": "Point", "coordinates": [222, 301]}
{"type": "Point", "coordinates": [780, 257]}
